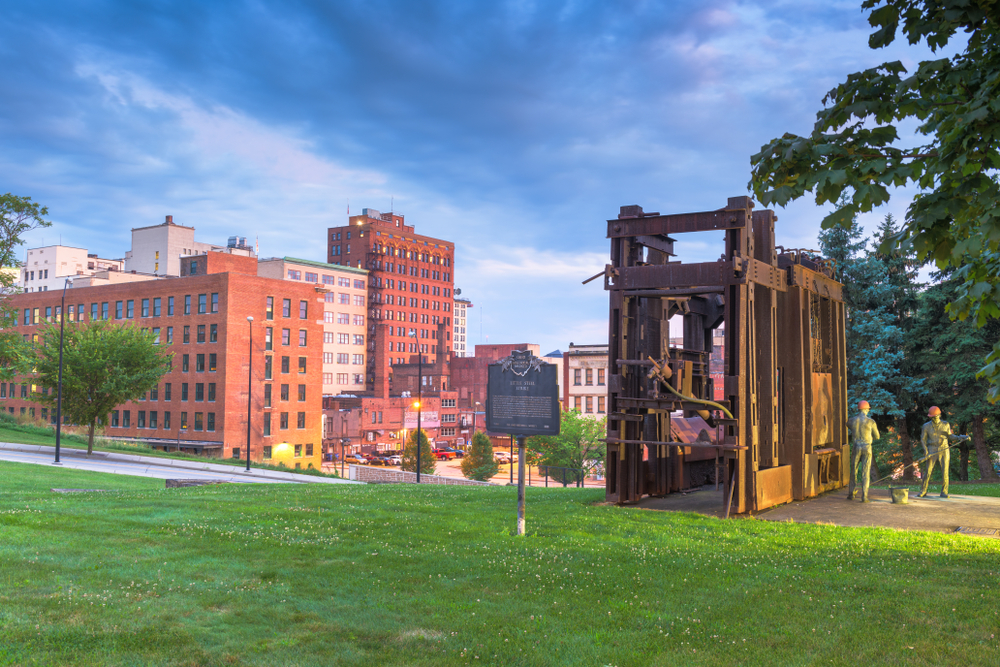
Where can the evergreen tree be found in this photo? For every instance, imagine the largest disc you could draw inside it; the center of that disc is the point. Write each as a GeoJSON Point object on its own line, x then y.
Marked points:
{"type": "Point", "coordinates": [948, 353]}
{"type": "Point", "coordinates": [427, 459]}
{"type": "Point", "coordinates": [479, 462]}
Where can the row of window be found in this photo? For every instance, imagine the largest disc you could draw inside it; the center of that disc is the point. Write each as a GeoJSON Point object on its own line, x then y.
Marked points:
{"type": "Point", "coordinates": [124, 310]}
{"type": "Point", "coordinates": [286, 338]}
{"type": "Point", "coordinates": [199, 363]}
{"type": "Point", "coordinates": [423, 318]}
{"type": "Point", "coordinates": [343, 318]}
{"type": "Point", "coordinates": [283, 393]}
{"type": "Point", "coordinates": [586, 404]}
{"type": "Point", "coordinates": [285, 365]}
{"type": "Point", "coordinates": [344, 299]}
{"type": "Point", "coordinates": [578, 375]}
{"type": "Point", "coordinates": [203, 421]}
{"type": "Point", "coordinates": [343, 378]}
{"type": "Point", "coordinates": [300, 421]}
{"type": "Point", "coordinates": [343, 338]}
{"type": "Point", "coordinates": [42, 274]}
{"type": "Point", "coordinates": [344, 358]}
{"type": "Point", "coordinates": [424, 257]}
{"type": "Point", "coordinates": [286, 308]}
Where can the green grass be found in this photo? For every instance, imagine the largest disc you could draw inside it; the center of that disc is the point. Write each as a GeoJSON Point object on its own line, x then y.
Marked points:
{"type": "Point", "coordinates": [404, 575]}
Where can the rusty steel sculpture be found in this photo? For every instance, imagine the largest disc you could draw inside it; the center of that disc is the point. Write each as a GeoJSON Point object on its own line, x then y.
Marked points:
{"type": "Point", "coordinates": [779, 432]}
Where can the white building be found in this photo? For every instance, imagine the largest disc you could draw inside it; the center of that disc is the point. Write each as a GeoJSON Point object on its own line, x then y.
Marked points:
{"type": "Point", "coordinates": [158, 249]}
{"type": "Point", "coordinates": [585, 383]}
{"type": "Point", "coordinates": [47, 268]}
{"type": "Point", "coordinates": [458, 323]}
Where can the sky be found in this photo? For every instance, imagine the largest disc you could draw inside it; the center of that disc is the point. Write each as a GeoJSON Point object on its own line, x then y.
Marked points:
{"type": "Point", "coordinates": [515, 129]}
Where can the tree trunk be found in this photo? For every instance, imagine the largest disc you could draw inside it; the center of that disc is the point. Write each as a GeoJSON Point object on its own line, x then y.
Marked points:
{"type": "Point", "coordinates": [904, 441]}
{"type": "Point", "coordinates": [963, 466]}
{"type": "Point", "coordinates": [986, 471]}
{"type": "Point", "coordinates": [90, 438]}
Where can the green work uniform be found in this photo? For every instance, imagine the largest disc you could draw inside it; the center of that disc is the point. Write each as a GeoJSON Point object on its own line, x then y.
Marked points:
{"type": "Point", "coordinates": [935, 439]}
{"type": "Point", "coordinates": [863, 432]}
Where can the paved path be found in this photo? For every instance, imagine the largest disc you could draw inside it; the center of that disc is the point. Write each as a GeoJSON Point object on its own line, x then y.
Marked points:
{"type": "Point", "coordinates": [151, 466]}
{"type": "Point", "coordinates": [944, 515]}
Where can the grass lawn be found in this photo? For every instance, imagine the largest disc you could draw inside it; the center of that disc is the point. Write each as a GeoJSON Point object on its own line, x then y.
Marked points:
{"type": "Point", "coordinates": [404, 575]}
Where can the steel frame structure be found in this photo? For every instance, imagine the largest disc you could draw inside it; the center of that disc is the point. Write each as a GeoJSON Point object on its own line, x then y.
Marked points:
{"type": "Point", "coordinates": [784, 383]}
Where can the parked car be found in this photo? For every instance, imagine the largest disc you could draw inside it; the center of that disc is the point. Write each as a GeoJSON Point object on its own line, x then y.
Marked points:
{"type": "Point", "coordinates": [377, 460]}
{"type": "Point", "coordinates": [356, 458]}
{"type": "Point", "coordinates": [457, 452]}
{"type": "Point", "coordinates": [443, 454]}
{"type": "Point", "coordinates": [501, 457]}
{"type": "Point", "coordinates": [394, 460]}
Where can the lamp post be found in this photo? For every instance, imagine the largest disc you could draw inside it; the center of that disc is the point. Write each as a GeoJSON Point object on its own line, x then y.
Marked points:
{"type": "Point", "coordinates": [420, 383]}
{"type": "Point", "coordinates": [249, 388]}
{"type": "Point", "coordinates": [62, 329]}
{"type": "Point", "coordinates": [475, 411]}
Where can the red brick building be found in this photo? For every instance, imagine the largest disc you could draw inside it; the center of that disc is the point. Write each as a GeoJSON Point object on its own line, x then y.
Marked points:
{"type": "Point", "coordinates": [201, 404]}
{"type": "Point", "coordinates": [410, 291]}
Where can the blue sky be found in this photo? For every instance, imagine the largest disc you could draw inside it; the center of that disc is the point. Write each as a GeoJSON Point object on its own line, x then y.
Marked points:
{"type": "Point", "coordinates": [515, 129]}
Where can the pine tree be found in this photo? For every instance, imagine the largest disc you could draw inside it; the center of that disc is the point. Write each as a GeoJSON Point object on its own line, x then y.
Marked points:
{"type": "Point", "coordinates": [479, 462]}
{"type": "Point", "coordinates": [427, 459]}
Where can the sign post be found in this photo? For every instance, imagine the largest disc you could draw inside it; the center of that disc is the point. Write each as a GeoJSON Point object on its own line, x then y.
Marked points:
{"type": "Point", "coordinates": [522, 400]}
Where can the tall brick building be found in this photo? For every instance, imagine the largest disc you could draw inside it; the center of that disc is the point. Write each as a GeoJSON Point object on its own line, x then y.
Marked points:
{"type": "Point", "coordinates": [410, 291]}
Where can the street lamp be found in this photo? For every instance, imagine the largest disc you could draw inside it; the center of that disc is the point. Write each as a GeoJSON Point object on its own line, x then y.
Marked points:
{"type": "Point", "coordinates": [475, 410]}
{"type": "Point", "coordinates": [420, 384]}
{"type": "Point", "coordinates": [249, 388]}
{"type": "Point", "coordinates": [62, 328]}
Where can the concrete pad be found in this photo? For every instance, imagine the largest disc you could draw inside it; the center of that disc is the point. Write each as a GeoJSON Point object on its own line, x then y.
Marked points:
{"type": "Point", "coordinates": [976, 515]}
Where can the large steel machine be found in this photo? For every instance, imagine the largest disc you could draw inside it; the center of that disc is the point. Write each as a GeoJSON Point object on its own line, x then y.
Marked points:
{"type": "Point", "coordinates": [779, 431]}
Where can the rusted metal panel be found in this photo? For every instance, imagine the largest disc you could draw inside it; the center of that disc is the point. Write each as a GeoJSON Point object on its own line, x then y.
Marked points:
{"type": "Point", "coordinates": [822, 409]}
{"type": "Point", "coordinates": [774, 486]}
{"type": "Point", "coordinates": [766, 275]}
{"type": "Point", "coordinates": [679, 223]}
{"type": "Point", "coordinates": [815, 282]}
{"type": "Point", "coordinates": [674, 274]}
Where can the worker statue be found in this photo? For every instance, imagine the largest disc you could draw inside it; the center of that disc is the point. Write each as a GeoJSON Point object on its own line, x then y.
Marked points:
{"type": "Point", "coordinates": [936, 438]}
{"type": "Point", "coordinates": [863, 431]}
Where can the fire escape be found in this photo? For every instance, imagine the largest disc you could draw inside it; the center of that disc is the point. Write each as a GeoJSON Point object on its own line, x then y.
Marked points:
{"type": "Point", "coordinates": [375, 266]}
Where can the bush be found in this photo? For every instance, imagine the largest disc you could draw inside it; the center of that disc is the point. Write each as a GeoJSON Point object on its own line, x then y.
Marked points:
{"type": "Point", "coordinates": [479, 462]}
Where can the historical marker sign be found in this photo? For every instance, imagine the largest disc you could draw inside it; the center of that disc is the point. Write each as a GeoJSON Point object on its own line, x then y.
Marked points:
{"type": "Point", "coordinates": [522, 396]}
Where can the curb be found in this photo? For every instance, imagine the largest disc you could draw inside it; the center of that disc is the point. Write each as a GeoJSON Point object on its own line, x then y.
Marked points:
{"type": "Point", "coordinates": [176, 463]}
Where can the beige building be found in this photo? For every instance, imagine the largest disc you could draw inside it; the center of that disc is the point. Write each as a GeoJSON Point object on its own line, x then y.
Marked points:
{"type": "Point", "coordinates": [47, 268]}
{"type": "Point", "coordinates": [585, 379]}
{"type": "Point", "coordinates": [458, 346]}
{"type": "Point", "coordinates": [158, 249]}
{"type": "Point", "coordinates": [345, 312]}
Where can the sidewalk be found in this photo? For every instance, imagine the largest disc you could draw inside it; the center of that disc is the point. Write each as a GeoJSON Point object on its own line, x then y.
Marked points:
{"type": "Point", "coordinates": [180, 464]}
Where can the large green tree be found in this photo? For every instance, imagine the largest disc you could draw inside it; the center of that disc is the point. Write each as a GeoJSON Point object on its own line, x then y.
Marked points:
{"type": "Point", "coordinates": [948, 354]}
{"type": "Point", "coordinates": [18, 216]}
{"type": "Point", "coordinates": [479, 462]}
{"type": "Point", "coordinates": [104, 365]}
{"type": "Point", "coordinates": [855, 147]}
{"type": "Point", "coordinates": [578, 444]}
{"type": "Point", "coordinates": [427, 459]}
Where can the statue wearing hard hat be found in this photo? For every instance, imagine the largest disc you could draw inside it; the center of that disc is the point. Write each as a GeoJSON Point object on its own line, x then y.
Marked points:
{"type": "Point", "coordinates": [936, 439]}
{"type": "Point", "coordinates": [863, 432]}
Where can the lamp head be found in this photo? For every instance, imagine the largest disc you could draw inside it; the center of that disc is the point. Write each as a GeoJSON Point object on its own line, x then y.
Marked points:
{"type": "Point", "coordinates": [249, 318]}
{"type": "Point", "coordinates": [416, 404]}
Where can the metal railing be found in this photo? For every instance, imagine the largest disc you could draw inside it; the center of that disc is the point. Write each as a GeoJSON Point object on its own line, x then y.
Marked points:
{"type": "Point", "coordinates": [564, 475]}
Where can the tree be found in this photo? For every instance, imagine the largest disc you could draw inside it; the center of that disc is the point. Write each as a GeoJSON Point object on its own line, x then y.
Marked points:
{"type": "Point", "coordinates": [479, 462]}
{"type": "Point", "coordinates": [948, 355]}
{"type": "Point", "coordinates": [18, 215]}
{"type": "Point", "coordinates": [855, 148]}
{"type": "Point", "coordinates": [427, 459]}
{"type": "Point", "coordinates": [104, 365]}
{"type": "Point", "coordinates": [578, 444]}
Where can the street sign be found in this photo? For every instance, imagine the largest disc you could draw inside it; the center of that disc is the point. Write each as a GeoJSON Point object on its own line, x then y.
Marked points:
{"type": "Point", "coordinates": [522, 396]}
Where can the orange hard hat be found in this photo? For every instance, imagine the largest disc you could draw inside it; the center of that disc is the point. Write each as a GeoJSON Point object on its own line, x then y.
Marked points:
{"type": "Point", "coordinates": [935, 410]}
{"type": "Point", "coordinates": [863, 405]}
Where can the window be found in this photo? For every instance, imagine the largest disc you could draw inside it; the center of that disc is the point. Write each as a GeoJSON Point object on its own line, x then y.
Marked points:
{"type": "Point", "coordinates": [284, 364]}
{"type": "Point", "coordinates": [302, 392]}
{"type": "Point", "coordinates": [284, 392]}
{"type": "Point", "coordinates": [215, 302]}
{"type": "Point", "coordinates": [209, 421]}
{"type": "Point", "coordinates": [359, 378]}
{"type": "Point", "coordinates": [211, 391]}
{"type": "Point", "coordinates": [202, 303]}
{"type": "Point", "coordinates": [327, 378]}
{"type": "Point", "coordinates": [269, 308]}
{"type": "Point", "coordinates": [448, 418]}
{"type": "Point", "coordinates": [359, 320]}
{"type": "Point", "coordinates": [156, 306]}
{"type": "Point", "coordinates": [184, 391]}
{"type": "Point", "coordinates": [578, 403]}
{"type": "Point", "coordinates": [186, 337]}
{"type": "Point", "coordinates": [359, 284]}
{"type": "Point", "coordinates": [184, 421]}
{"type": "Point", "coordinates": [199, 392]}
{"type": "Point", "coordinates": [294, 274]}
{"type": "Point", "coordinates": [145, 308]}
{"type": "Point", "coordinates": [140, 419]}
{"type": "Point", "coordinates": [328, 317]}
{"type": "Point", "coordinates": [193, 270]}
{"type": "Point", "coordinates": [199, 421]}
{"type": "Point", "coordinates": [577, 376]}
{"type": "Point", "coordinates": [199, 363]}
{"type": "Point", "coordinates": [166, 421]}
{"type": "Point", "coordinates": [359, 339]}
{"type": "Point", "coordinates": [267, 448]}
{"type": "Point", "coordinates": [93, 313]}
{"type": "Point", "coordinates": [170, 307]}
{"type": "Point", "coordinates": [170, 335]}
{"type": "Point", "coordinates": [343, 339]}
{"type": "Point", "coordinates": [126, 419]}
{"type": "Point", "coordinates": [302, 364]}
{"type": "Point", "coordinates": [152, 419]}
{"type": "Point", "coordinates": [213, 333]}
{"type": "Point", "coordinates": [201, 333]}
{"type": "Point", "coordinates": [130, 309]}
{"type": "Point", "coordinates": [114, 419]}
{"type": "Point", "coordinates": [342, 378]}
{"type": "Point", "coordinates": [236, 452]}
{"type": "Point", "coordinates": [300, 421]}
{"type": "Point", "coordinates": [303, 310]}
{"type": "Point", "coordinates": [267, 395]}
{"type": "Point", "coordinates": [312, 277]}
{"type": "Point", "coordinates": [343, 318]}
{"type": "Point", "coordinates": [600, 404]}
{"type": "Point", "coordinates": [344, 282]}
{"type": "Point", "coordinates": [600, 380]}
{"type": "Point", "coordinates": [298, 453]}
{"type": "Point", "coordinates": [283, 423]}
{"type": "Point", "coordinates": [587, 402]}
{"type": "Point", "coordinates": [187, 304]}
{"type": "Point", "coordinates": [309, 449]}
{"type": "Point", "coordinates": [154, 393]}
{"type": "Point", "coordinates": [104, 310]}
{"type": "Point", "coordinates": [286, 336]}
{"type": "Point", "coordinates": [267, 431]}
{"type": "Point", "coordinates": [345, 299]}
{"type": "Point", "coordinates": [359, 300]}
{"type": "Point", "coordinates": [166, 392]}
{"type": "Point", "coordinates": [328, 337]}
{"type": "Point", "coordinates": [268, 338]}
{"type": "Point", "coordinates": [302, 337]}
{"type": "Point", "coordinates": [185, 363]}
{"type": "Point", "coordinates": [268, 367]}
{"type": "Point", "coordinates": [156, 335]}
{"type": "Point", "coordinates": [286, 307]}
{"type": "Point", "coordinates": [119, 310]}
{"type": "Point", "coordinates": [590, 377]}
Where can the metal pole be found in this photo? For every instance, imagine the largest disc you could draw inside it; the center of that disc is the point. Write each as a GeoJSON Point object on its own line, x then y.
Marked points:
{"type": "Point", "coordinates": [420, 402]}
{"type": "Point", "coordinates": [249, 388]}
{"type": "Point", "coordinates": [343, 436]}
{"type": "Point", "coordinates": [62, 328]}
{"type": "Point", "coordinates": [520, 484]}
{"type": "Point", "coordinates": [511, 459]}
